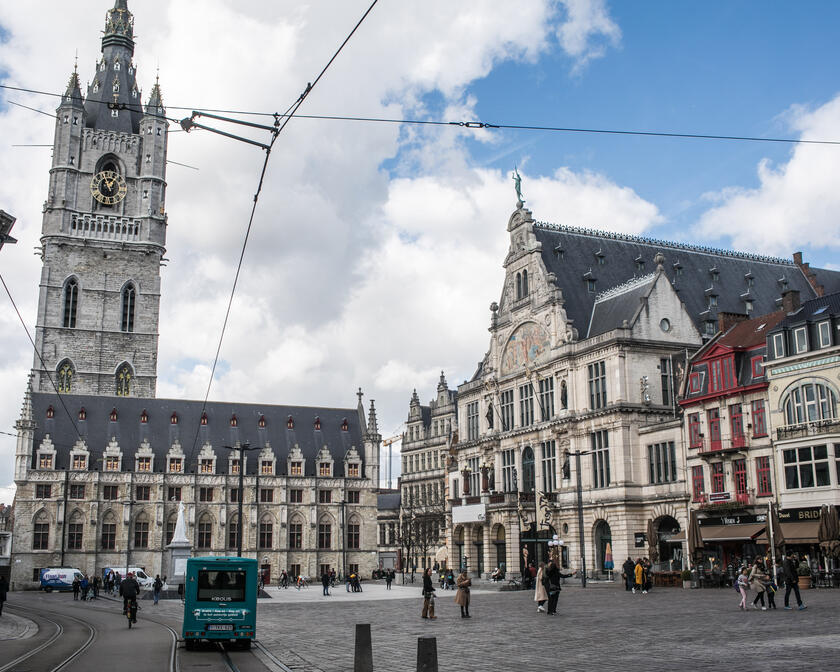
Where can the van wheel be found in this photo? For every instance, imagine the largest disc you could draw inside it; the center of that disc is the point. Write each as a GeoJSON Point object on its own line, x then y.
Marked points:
{"type": "Point", "coordinates": [245, 644]}
{"type": "Point", "coordinates": [47, 589]}
{"type": "Point", "coordinates": [189, 644]}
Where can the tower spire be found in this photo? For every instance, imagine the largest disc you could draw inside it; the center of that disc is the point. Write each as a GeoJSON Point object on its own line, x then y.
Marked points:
{"type": "Point", "coordinates": [119, 26]}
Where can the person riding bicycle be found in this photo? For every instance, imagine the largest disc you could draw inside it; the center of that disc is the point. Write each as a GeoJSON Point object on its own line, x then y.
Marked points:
{"type": "Point", "coordinates": [129, 589]}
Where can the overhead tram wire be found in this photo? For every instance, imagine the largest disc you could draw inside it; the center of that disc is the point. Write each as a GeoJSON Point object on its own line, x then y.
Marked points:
{"type": "Point", "coordinates": [278, 128]}
{"type": "Point", "coordinates": [462, 124]}
{"type": "Point", "coordinates": [41, 359]}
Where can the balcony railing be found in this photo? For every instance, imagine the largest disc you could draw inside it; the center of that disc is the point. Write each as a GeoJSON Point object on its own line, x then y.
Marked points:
{"type": "Point", "coordinates": [744, 498]}
{"type": "Point", "coordinates": [805, 429]}
{"type": "Point", "coordinates": [709, 448]}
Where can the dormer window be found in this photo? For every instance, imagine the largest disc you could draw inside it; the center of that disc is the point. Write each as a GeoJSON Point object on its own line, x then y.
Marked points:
{"type": "Point", "coordinates": [559, 252]}
{"type": "Point", "coordinates": [714, 273]}
{"type": "Point", "coordinates": [82, 413]}
{"type": "Point", "coordinates": [117, 65]}
{"type": "Point", "coordinates": [102, 65]}
{"type": "Point", "coordinates": [296, 469]}
{"type": "Point", "coordinates": [800, 340]}
{"type": "Point", "coordinates": [713, 300]}
{"type": "Point", "coordinates": [261, 422]}
{"type": "Point", "coordinates": [95, 85]}
{"type": "Point", "coordinates": [174, 419]}
{"type": "Point", "coordinates": [317, 423]}
{"type": "Point", "coordinates": [824, 330]}
{"type": "Point", "coordinates": [640, 264]}
{"type": "Point", "coordinates": [710, 327]}
{"type": "Point", "coordinates": [113, 415]}
{"type": "Point", "coordinates": [204, 418]}
{"type": "Point", "coordinates": [345, 426]}
{"type": "Point", "coordinates": [601, 259]}
{"type": "Point", "coordinates": [678, 269]}
{"type": "Point", "coordinates": [748, 306]}
{"type": "Point", "coordinates": [234, 422]}
{"type": "Point", "coordinates": [290, 422]}
{"type": "Point", "coordinates": [779, 345]}
{"type": "Point", "coordinates": [590, 285]}
{"type": "Point", "coordinates": [50, 412]}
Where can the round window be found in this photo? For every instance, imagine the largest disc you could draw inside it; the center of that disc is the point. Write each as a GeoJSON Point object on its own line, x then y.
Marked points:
{"type": "Point", "coordinates": [665, 324]}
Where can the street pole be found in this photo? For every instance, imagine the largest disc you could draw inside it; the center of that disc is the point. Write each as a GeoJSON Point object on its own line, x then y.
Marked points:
{"type": "Point", "coordinates": [240, 448]}
{"type": "Point", "coordinates": [580, 521]}
{"type": "Point", "coordinates": [343, 539]}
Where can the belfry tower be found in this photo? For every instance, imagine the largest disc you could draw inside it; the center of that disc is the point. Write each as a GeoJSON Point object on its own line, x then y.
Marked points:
{"type": "Point", "coordinates": [104, 230]}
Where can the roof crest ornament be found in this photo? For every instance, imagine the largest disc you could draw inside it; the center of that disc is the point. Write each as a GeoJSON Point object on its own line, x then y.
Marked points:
{"type": "Point", "coordinates": [663, 243]}
{"type": "Point", "coordinates": [624, 287]}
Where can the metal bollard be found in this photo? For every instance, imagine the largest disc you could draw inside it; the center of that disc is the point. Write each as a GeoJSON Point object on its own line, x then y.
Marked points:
{"type": "Point", "coordinates": [427, 660]}
{"type": "Point", "coordinates": [363, 658]}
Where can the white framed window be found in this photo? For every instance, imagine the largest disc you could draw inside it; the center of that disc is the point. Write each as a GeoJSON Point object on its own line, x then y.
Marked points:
{"type": "Point", "coordinates": [800, 339]}
{"type": "Point", "coordinates": [824, 329]}
{"type": "Point", "coordinates": [779, 345]}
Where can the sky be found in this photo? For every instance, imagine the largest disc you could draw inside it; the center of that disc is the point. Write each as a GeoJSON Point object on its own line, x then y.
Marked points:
{"type": "Point", "coordinates": [377, 248]}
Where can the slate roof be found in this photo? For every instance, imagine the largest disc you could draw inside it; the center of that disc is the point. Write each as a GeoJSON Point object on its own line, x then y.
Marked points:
{"type": "Point", "coordinates": [613, 308]}
{"type": "Point", "coordinates": [571, 253]}
{"type": "Point", "coordinates": [97, 429]}
{"type": "Point", "coordinates": [751, 333]}
{"type": "Point", "coordinates": [387, 501]}
{"type": "Point", "coordinates": [815, 310]}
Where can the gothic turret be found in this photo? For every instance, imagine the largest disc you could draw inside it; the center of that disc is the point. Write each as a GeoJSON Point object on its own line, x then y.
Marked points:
{"type": "Point", "coordinates": [69, 121]}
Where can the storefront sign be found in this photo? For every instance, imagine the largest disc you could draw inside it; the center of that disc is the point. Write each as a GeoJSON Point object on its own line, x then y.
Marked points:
{"type": "Point", "coordinates": [473, 513]}
{"type": "Point", "coordinates": [719, 497]}
{"type": "Point", "coordinates": [799, 515]}
{"type": "Point", "coordinates": [734, 520]}
{"type": "Point", "coordinates": [641, 539]}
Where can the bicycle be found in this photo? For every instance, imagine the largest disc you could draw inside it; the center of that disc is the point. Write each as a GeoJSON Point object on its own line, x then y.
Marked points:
{"type": "Point", "coordinates": [131, 611]}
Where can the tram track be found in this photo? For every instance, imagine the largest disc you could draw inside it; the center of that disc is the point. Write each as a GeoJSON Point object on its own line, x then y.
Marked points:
{"type": "Point", "coordinates": [60, 631]}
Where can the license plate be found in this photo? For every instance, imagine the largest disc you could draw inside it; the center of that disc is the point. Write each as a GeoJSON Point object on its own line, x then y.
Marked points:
{"type": "Point", "coordinates": [220, 626]}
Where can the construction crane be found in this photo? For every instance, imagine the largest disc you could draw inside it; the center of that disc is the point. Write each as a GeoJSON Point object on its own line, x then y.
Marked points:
{"type": "Point", "coordinates": [388, 443]}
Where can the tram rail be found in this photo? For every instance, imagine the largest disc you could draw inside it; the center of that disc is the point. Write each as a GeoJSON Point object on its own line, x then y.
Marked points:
{"type": "Point", "coordinates": [54, 638]}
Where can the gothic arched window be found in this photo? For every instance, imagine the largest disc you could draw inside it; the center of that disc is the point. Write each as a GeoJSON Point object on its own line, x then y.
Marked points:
{"type": "Point", "coordinates": [518, 286]}
{"type": "Point", "coordinates": [524, 283]}
{"type": "Point", "coordinates": [71, 303]}
{"type": "Point", "coordinates": [65, 376]}
{"type": "Point", "coordinates": [129, 299]}
{"type": "Point", "coordinates": [124, 378]}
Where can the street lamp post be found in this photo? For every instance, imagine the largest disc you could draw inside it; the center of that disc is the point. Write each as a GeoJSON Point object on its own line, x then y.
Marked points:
{"type": "Point", "coordinates": [581, 536]}
{"type": "Point", "coordinates": [343, 539]}
{"type": "Point", "coordinates": [241, 448]}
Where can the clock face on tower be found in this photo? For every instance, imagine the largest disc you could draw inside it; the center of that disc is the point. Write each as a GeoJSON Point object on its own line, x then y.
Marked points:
{"type": "Point", "coordinates": [108, 187]}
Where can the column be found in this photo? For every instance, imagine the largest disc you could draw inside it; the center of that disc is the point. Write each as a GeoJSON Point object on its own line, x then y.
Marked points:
{"type": "Point", "coordinates": [468, 552]}
{"type": "Point", "coordinates": [489, 548]}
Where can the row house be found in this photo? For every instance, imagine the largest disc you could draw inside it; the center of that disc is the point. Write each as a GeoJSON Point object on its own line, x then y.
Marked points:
{"type": "Point", "coordinates": [99, 481]}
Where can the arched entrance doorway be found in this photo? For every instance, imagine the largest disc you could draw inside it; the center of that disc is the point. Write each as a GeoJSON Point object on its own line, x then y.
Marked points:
{"type": "Point", "coordinates": [536, 546]}
{"type": "Point", "coordinates": [670, 549]}
{"type": "Point", "coordinates": [478, 550]}
{"type": "Point", "coordinates": [602, 542]}
{"type": "Point", "coordinates": [458, 542]}
{"type": "Point", "coordinates": [501, 547]}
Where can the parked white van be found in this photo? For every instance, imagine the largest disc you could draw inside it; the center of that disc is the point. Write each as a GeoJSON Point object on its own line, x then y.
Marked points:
{"type": "Point", "coordinates": [59, 578]}
{"type": "Point", "coordinates": [146, 582]}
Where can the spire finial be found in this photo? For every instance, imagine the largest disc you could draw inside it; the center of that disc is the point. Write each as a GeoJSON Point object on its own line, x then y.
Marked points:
{"type": "Point", "coordinates": [517, 184]}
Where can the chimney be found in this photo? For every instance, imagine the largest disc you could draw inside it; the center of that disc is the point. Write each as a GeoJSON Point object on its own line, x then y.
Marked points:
{"type": "Point", "coordinates": [790, 300]}
{"type": "Point", "coordinates": [810, 275]}
{"type": "Point", "coordinates": [727, 320]}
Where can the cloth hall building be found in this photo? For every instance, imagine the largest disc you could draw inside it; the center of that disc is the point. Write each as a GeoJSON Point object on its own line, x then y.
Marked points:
{"type": "Point", "coordinates": [101, 464]}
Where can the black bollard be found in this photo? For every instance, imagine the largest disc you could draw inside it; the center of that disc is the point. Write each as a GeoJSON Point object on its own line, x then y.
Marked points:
{"type": "Point", "coordinates": [427, 654]}
{"type": "Point", "coordinates": [363, 659]}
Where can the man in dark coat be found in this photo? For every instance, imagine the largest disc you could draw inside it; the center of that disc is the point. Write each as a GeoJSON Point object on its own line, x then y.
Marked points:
{"type": "Point", "coordinates": [129, 589]}
{"type": "Point", "coordinates": [552, 587]}
{"type": "Point", "coordinates": [628, 569]}
{"type": "Point", "coordinates": [325, 582]}
{"type": "Point", "coordinates": [4, 588]}
{"type": "Point", "coordinates": [792, 581]}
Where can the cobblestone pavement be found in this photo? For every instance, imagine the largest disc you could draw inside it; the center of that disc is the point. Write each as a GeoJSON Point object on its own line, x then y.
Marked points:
{"type": "Point", "coordinates": [600, 628]}
{"type": "Point", "coordinates": [13, 626]}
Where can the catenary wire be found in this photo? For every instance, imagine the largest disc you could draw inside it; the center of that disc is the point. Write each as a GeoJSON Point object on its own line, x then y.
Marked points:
{"type": "Point", "coordinates": [287, 116]}
{"type": "Point", "coordinates": [40, 358]}
{"type": "Point", "coordinates": [468, 124]}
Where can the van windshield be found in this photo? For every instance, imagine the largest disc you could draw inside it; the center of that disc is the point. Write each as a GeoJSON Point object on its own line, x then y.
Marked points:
{"type": "Point", "coordinates": [221, 586]}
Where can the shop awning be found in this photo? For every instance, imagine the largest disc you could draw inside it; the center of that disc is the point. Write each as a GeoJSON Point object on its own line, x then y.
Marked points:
{"type": "Point", "coordinates": [796, 533]}
{"type": "Point", "coordinates": [678, 537]}
{"type": "Point", "coordinates": [743, 532]}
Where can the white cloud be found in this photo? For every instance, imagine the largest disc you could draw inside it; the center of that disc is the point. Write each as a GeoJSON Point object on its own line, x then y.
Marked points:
{"type": "Point", "coordinates": [795, 203]}
{"type": "Point", "coordinates": [588, 31]}
{"type": "Point", "coordinates": [352, 277]}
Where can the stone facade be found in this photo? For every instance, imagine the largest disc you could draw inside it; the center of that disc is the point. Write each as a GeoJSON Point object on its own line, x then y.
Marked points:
{"type": "Point", "coordinates": [425, 451]}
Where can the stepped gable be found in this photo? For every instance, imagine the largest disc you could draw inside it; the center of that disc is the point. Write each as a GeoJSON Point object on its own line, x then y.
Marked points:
{"type": "Point", "coordinates": [620, 304]}
{"type": "Point", "coordinates": [97, 430]}
{"type": "Point", "coordinates": [573, 255]}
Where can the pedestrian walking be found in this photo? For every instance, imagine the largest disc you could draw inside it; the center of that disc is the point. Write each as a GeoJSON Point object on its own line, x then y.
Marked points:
{"type": "Point", "coordinates": [790, 568]}
{"type": "Point", "coordinates": [428, 595]}
{"type": "Point", "coordinates": [95, 586]}
{"type": "Point", "coordinates": [4, 589]}
{"type": "Point", "coordinates": [540, 593]}
{"type": "Point", "coordinates": [284, 580]}
{"type": "Point", "coordinates": [742, 583]}
{"type": "Point", "coordinates": [462, 596]}
{"type": "Point", "coordinates": [628, 570]}
{"type": "Point", "coordinates": [77, 586]}
{"type": "Point", "coordinates": [552, 578]}
{"type": "Point", "coordinates": [639, 576]}
{"type": "Point", "coordinates": [389, 578]}
{"type": "Point", "coordinates": [325, 582]}
{"type": "Point", "coordinates": [157, 586]}
{"type": "Point", "coordinates": [756, 580]}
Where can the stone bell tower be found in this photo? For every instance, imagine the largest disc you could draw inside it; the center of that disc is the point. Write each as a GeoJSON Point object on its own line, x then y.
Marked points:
{"type": "Point", "coordinates": [104, 230]}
